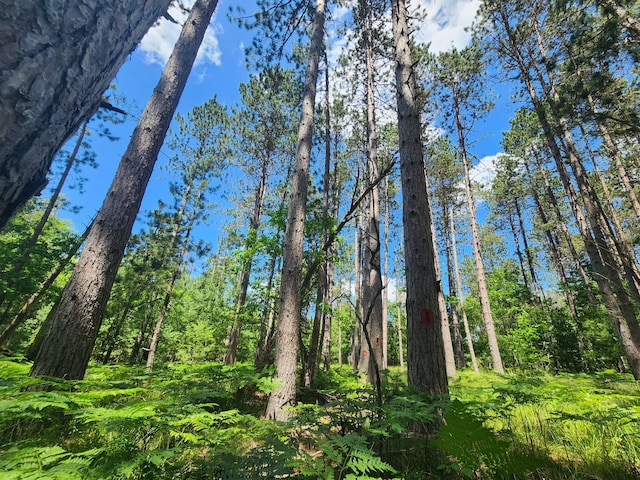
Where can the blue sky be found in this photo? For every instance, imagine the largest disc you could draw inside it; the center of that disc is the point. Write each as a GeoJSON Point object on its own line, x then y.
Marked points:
{"type": "Point", "coordinates": [219, 70]}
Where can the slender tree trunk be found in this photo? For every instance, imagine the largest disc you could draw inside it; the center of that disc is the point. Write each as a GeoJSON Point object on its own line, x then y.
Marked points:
{"type": "Point", "coordinates": [527, 251]}
{"type": "Point", "coordinates": [32, 301]}
{"type": "Point", "coordinates": [399, 329]}
{"type": "Point", "coordinates": [66, 350]}
{"type": "Point", "coordinates": [456, 269]}
{"type": "Point", "coordinates": [566, 234]}
{"type": "Point", "coordinates": [426, 363]}
{"type": "Point", "coordinates": [231, 354]}
{"type": "Point", "coordinates": [449, 356]}
{"type": "Point", "coordinates": [615, 155]}
{"type": "Point", "coordinates": [317, 345]}
{"type": "Point", "coordinates": [134, 356]}
{"type": "Point", "coordinates": [179, 223]}
{"type": "Point", "coordinates": [37, 231]}
{"type": "Point", "coordinates": [155, 338]}
{"type": "Point", "coordinates": [516, 242]}
{"type": "Point", "coordinates": [57, 60]}
{"type": "Point", "coordinates": [371, 269]}
{"type": "Point", "coordinates": [556, 259]}
{"type": "Point", "coordinates": [461, 362]}
{"type": "Point", "coordinates": [266, 342]}
{"type": "Point", "coordinates": [356, 338]}
{"type": "Point", "coordinates": [287, 347]}
{"type": "Point", "coordinates": [385, 291]}
{"type": "Point", "coordinates": [483, 292]}
{"type": "Point", "coordinates": [112, 335]}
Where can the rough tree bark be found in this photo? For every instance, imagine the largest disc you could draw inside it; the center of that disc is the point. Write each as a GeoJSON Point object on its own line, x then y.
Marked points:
{"type": "Point", "coordinates": [286, 355]}
{"type": "Point", "coordinates": [425, 352]}
{"type": "Point", "coordinates": [66, 350]}
{"type": "Point", "coordinates": [56, 60]}
{"type": "Point", "coordinates": [371, 356]}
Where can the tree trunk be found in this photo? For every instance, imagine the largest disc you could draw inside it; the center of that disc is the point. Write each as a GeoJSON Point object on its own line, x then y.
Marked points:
{"type": "Point", "coordinates": [66, 350]}
{"type": "Point", "coordinates": [449, 357]}
{"type": "Point", "coordinates": [286, 356]}
{"type": "Point", "coordinates": [356, 337]}
{"type": "Point", "coordinates": [57, 60]}
{"type": "Point", "coordinates": [559, 267]}
{"type": "Point", "coordinates": [483, 293]}
{"type": "Point", "coordinates": [461, 362]}
{"type": "Point", "coordinates": [371, 265]}
{"type": "Point", "coordinates": [155, 338]}
{"type": "Point", "coordinates": [385, 291]}
{"type": "Point", "coordinates": [425, 352]}
{"type": "Point", "coordinates": [37, 231]}
{"type": "Point", "coordinates": [619, 307]}
{"type": "Point", "coordinates": [465, 321]}
{"type": "Point", "coordinates": [537, 288]}
{"type": "Point", "coordinates": [28, 306]}
{"type": "Point", "coordinates": [566, 234]}
{"type": "Point", "coordinates": [231, 354]}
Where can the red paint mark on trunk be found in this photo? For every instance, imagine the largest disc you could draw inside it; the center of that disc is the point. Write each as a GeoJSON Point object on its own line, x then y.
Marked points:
{"type": "Point", "coordinates": [427, 317]}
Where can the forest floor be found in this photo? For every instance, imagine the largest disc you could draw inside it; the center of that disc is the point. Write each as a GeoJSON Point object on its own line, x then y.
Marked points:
{"type": "Point", "coordinates": [203, 421]}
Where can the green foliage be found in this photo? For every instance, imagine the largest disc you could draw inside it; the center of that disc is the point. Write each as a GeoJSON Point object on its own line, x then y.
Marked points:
{"type": "Point", "coordinates": [202, 422]}
{"type": "Point", "coordinates": [562, 426]}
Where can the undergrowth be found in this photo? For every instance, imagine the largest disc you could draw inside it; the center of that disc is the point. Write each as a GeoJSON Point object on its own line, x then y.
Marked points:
{"type": "Point", "coordinates": [203, 422]}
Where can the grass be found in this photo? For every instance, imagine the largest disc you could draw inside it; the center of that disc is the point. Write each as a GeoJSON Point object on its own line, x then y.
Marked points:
{"type": "Point", "coordinates": [203, 421]}
{"type": "Point", "coordinates": [578, 426]}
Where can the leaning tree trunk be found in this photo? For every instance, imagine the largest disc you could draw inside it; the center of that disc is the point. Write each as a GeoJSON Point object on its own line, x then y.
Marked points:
{"type": "Point", "coordinates": [286, 355]}
{"type": "Point", "coordinates": [66, 350]}
{"type": "Point", "coordinates": [26, 250]}
{"type": "Point", "coordinates": [425, 352]}
{"type": "Point", "coordinates": [57, 60]}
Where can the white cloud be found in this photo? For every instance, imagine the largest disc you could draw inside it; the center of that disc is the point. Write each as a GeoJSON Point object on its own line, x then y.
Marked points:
{"type": "Point", "coordinates": [485, 170]}
{"type": "Point", "coordinates": [445, 24]}
{"type": "Point", "coordinates": [158, 43]}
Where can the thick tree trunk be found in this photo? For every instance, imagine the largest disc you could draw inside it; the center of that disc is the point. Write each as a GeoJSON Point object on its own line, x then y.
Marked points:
{"type": "Point", "coordinates": [57, 60]}
{"type": "Point", "coordinates": [425, 353]}
{"type": "Point", "coordinates": [287, 348]}
{"type": "Point", "coordinates": [66, 350]}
